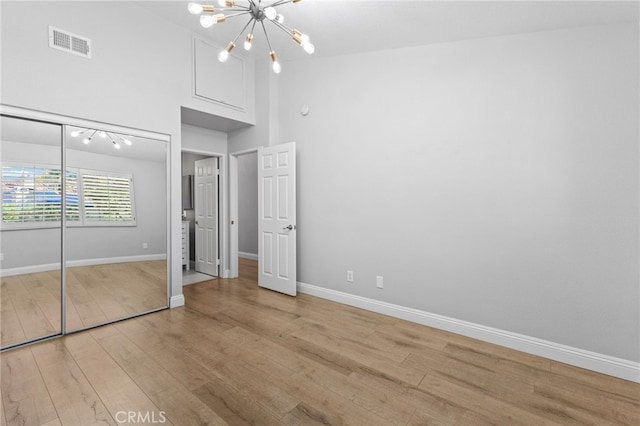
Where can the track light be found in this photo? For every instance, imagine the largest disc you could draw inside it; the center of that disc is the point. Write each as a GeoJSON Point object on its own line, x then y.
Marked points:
{"type": "Point", "coordinates": [103, 134]}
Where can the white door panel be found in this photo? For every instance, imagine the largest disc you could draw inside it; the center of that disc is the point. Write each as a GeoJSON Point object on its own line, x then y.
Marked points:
{"type": "Point", "coordinates": [206, 206]}
{"type": "Point", "coordinates": [277, 218]}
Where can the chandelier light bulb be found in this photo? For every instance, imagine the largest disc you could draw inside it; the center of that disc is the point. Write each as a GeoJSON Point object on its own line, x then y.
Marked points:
{"type": "Point", "coordinates": [248, 42]}
{"type": "Point", "coordinates": [226, 3]}
{"type": "Point", "coordinates": [275, 65]}
{"type": "Point", "coordinates": [116, 145]}
{"type": "Point", "coordinates": [305, 39]}
{"type": "Point", "coordinates": [207, 21]}
{"type": "Point", "coordinates": [195, 8]}
{"type": "Point", "coordinates": [75, 133]}
{"type": "Point", "coordinates": [126, 141]}
{"type": "Point", "coordinates": [102, 134]}
{"type": "Point", "coordinates": [309, 48]}
{"type": "Point", "coordinates": [270, 13]}
{"type": "Point", "coordinates": [280, 18]}
{"type": "Point", "coordinates": [223, 56]}
{"type": "Point", "coordinates": [86, 141]}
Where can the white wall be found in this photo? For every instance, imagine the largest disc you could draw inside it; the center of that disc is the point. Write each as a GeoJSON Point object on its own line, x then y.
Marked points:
{"type": "Point", "coordinates": [248, 203]}
{"type": "Point", "coordinates": [139, 76]}
{"type": "Point", "coordinates": [203, 140]}
{"type": "Point", "coordinates": [493, 180]}
{"type": "Point", "coordinates": [265, 131]}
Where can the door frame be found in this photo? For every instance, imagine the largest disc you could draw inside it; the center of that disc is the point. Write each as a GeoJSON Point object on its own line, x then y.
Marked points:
{"type": "Point", "coordinates": [233, 209]}
{"type": "Point", "coordinates": [223, 236]}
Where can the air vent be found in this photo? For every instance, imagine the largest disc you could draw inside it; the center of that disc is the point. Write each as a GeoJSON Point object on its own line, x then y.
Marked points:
{"type": "Point", "coordinates": [69, 42]}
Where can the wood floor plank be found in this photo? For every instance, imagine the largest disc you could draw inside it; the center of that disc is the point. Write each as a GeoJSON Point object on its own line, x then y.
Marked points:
{"type": "Point", "coordinates": [11, 331]}
{"type": "Point", "coordinates": [25, 397]}
{"type": "Point", "coordinates": [364, 355]}
{"type": "Point", "coordinates": [601, 405]}
{"type": "Point", "coordinates": [180, 405]}
{"type": "Point", "coordinates": [74, 398]}
{"type": "Point", "coordinates": [116, 389]}
{"type": "Point", "coordinates": [216, 357]}
{"type": "Point", "coordinates": [178, 362]}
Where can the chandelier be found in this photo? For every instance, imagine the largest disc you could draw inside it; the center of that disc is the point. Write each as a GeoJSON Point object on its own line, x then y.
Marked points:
{"type": "Point", "coordinates": [89, 135]}
{"type": "Point", "coordinates": [258, 14]}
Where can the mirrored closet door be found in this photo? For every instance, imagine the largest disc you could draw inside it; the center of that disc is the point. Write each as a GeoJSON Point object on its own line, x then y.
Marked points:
{"type": "Point", "coordinates": [107, 260]}
{"type": "Point", "coordinates": [116, 229]}
{"type": "Point", "coordinates": [30, 231]}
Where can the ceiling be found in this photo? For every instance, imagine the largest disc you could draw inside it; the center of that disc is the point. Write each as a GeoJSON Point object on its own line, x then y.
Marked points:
{"type": "Point", "coordinates": [39, 133]}
{"type": "Point", "coordinates": [339, 27]}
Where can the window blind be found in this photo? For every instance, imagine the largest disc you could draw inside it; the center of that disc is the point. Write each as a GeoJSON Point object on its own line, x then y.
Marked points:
{"type": "Point", "coordinates": [31, 196]}
{"type": "Point", "coordinates": [107, 198]}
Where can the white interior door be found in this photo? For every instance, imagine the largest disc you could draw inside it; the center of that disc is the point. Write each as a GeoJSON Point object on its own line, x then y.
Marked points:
{"type": "Point", "coordinates": [206, 207]}
{"type": "Point", "coordinates": [277, 218]}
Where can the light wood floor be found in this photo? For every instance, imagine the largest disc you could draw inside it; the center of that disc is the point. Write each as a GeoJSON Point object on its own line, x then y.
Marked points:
{"type": "Point", "coordinates": [30, 305]}
{"type": "Point", "coordinates": [237, 354]}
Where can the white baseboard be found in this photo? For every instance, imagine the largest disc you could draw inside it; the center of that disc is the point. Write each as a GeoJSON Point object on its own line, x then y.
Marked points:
{"type": "Point", "coordinates": [245, 255]}
{"type": "Point", "coordinates": [82, 262]}
{"type": "Point", "coordinates": [176, 301]}
{"type": "Point", "coordinates": [605, 364]}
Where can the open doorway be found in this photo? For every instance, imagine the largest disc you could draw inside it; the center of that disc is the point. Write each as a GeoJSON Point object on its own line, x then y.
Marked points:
{"type": "Point", "coordinates": [201, 207]}
{"type": "Point", "coordinates": [244, 213]}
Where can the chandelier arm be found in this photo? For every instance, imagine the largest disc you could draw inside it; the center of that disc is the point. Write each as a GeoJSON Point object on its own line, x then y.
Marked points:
{"type": "Point", "coordinates": [280, 3]}
{"type": "Point", "coordinates": [266, 36]}
{"type": "Point", "coordinates": [235, 9]}
{"type": "Point", "coordinates": [283, 27]}
{"type": "Point", "coordinates": [233, 15]}
{"type": "Point", "coordinates": [242, 31]}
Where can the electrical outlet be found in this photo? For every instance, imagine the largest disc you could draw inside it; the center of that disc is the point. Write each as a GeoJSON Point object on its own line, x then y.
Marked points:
{"type": "Point", "coordinates": [349, 276]}
{"type": "Point", "coordinates": [379, 281]}
{"type": "Point", "coordinates": [145, 245]}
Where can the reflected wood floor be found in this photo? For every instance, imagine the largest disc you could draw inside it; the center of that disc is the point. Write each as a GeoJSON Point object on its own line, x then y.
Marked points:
{"type": "Point", "coordinates": [30, 305]}
{"type": "Point", "coordinates": [237, 354]}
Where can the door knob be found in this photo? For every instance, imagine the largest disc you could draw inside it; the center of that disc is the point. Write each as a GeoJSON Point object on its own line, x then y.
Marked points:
{"type": "Point", "coordinates": [290, 227]}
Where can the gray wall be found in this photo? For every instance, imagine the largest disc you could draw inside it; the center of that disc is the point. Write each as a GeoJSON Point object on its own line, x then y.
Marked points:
{"type": "Point", "coordinates": [493, 180]}
{"type": "Point", "coordinates": [248, 203]}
